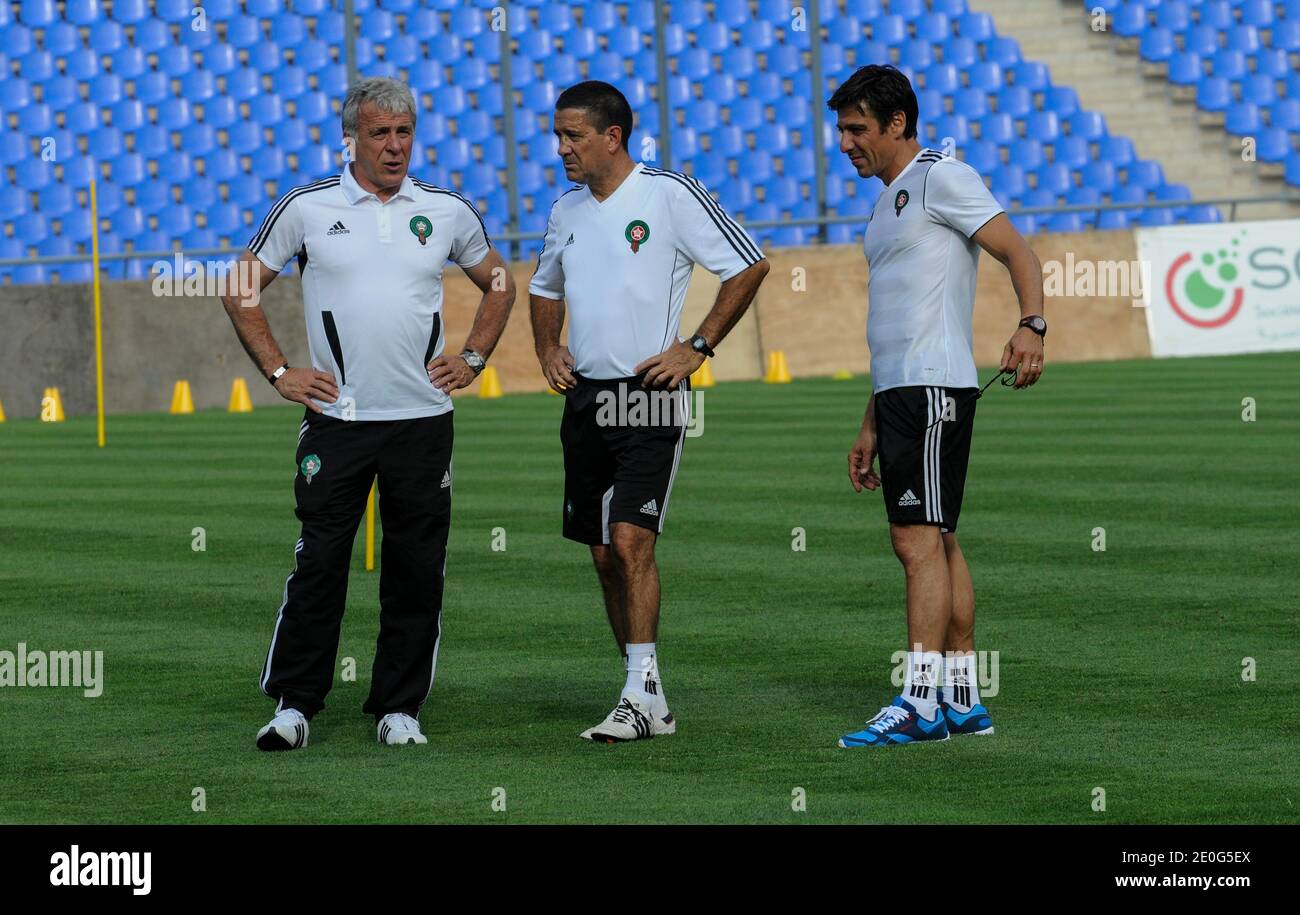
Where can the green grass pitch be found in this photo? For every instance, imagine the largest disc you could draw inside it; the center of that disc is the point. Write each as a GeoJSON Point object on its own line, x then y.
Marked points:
{"type": "Point", "coordinates": [1119, 669]}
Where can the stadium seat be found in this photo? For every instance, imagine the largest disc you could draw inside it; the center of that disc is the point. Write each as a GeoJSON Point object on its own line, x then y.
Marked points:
{"type": "Point", "coordinates": [1213, 93]}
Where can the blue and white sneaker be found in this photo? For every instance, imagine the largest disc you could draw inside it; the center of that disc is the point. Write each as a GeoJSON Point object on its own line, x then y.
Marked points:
{"type": "Point", "coordinates": [897, 724]}
{"type": "Point", "coordinates": [976, 722]}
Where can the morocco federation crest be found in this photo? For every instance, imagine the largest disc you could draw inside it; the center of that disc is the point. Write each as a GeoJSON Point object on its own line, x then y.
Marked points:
{"type": "Point", "coordinates": [637, 233]}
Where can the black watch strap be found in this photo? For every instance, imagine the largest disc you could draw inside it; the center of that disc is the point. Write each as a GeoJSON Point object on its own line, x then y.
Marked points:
{"type": "Point", "coordinates": [1036, 323]}
{"type": "Point", "coordinates": [275, 376]}
{"type": "Point", "coordinates": [700, 345]}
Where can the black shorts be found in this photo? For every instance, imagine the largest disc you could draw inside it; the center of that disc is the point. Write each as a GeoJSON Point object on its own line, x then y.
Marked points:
{"type": "Point", "coordinates": [622, 445]}
{"type": "Point", "coordinates": [923, 440]}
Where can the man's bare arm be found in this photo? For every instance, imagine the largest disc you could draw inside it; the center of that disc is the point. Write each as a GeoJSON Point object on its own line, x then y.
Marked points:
{"type": "Point", "coordinates": [547, 316]}
{"type": "Point", "coordinates": [734, 297]}
{"type": "Point", "coordinates": [244, 306]}
{"type": "Point", "coordinates": [493, 278]}
{"type": "Point", "coordinates": [1025, 348]}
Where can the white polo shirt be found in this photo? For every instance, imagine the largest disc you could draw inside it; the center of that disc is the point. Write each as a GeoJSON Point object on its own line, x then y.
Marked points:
{"type": "Point", "coordinates": [372, 285]}
{"type": "Point", "coordinates": [921, 286]}
{"type": "Point", "coordinates": [622, 265]}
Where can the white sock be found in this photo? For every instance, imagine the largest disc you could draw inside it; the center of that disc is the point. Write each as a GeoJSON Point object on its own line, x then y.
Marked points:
{"type": "Point", "coordinates": [960, 684]}
{"type": "Point", "coordinates": [921, 688]}
{"type": "Point", "coordinates": [642, 672]}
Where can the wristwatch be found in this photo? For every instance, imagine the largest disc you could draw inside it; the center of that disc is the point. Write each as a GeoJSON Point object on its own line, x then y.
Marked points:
{"type": "Point", "coordinates": [275, 376]}
{"type": "Point", "coordinates": [1036, 323]}
{"type": "Point", "coordinates": [700, 345]}
{"type": "Point", "coordinates": [473, 360]}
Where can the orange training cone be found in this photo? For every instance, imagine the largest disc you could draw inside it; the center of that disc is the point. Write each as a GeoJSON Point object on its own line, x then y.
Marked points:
{"type": "Point", "coordinates": [51, 406]}
{"type": "Point", "coordinates": [490, 384]}
{"type": "Point", "coordinates": [240, 400]}
{"type": "Point", "coordinates": [182, 398]}
{"type": "Point", "coordinates": [703, 376]}
{"type": "Point", "coordinates": [777, 371]}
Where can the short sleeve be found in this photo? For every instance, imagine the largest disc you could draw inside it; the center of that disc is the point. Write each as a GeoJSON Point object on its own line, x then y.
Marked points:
{"type": "Point", "coordinates": [548, 278]}
{"type": "Point", "coordinates": [469, 236]}
{"type": "Point", "coordinates": [706, 234]}
{"type": "Point", "coordinates": [281, 236]}
{"type": "Point", "coordinates": [955, 194]}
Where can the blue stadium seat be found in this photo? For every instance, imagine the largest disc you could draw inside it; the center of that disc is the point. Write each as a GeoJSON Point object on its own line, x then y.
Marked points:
{"type": "Point", "coordinates": [962, 53]}
{"type": "Point", "coordinates": [1054, 177]}
{"type": "Point", "coordinates": [1061, 99]}
{"type": "Point", "coordinates": [82, 117]}
{"type": "Point", "coordinates": [917, 53]}
{"type": "Point", "coordinates": [62, 38]}
{"type": "Point", "coordinates": [1031, 75]}
{"type": "Point", "coordinates": [1028, 154]}
{"type": "Point", "coordinates": [1285, 113]}
{"type": "Point", "coordinates": [1272, 144]}
{"type": "Point", "coordinates": [82, 63]}
{"type": "Point", "coordinates": [1201, 40]}
{"type": "Point", "coordinates": [890, 30]}
{"type": "Point", "coordinates": [976, 26]}
{"type": "Point", "coordinates": [981, 155]}
{"type": "Point", "coordinates": [106, 142]}
{"type": "Point", "coordinates": [1144, 173]}
{"type": "Point", "coordinates": [1009, 179]}
{"type": "Point", "coordinates": [1242, 119]}
{"type": "Point", "coordinates": [1043, 125]}
{"type": "Point", "coordinates": [153, 141]}
{"type": "Point", "coordinates": [1185, 69]}
{"type": "Point", "coordinates": [1215, 14]}
{"type": "Point", "coordinates": [128, 114]}
{"type": "Point", "coordinates": [1227, 64]}
{"type": "Point", "coordinates": [999, 128]}
{"type": "Point", "coordinates": [942, 78]}
{"type": "Point", "coordinates": [1003, 51]}
{"type": "Point", "coordinates": [84, 12]}
{"type": "Point", "coordinates": [1213, 93]}
{"type": "Point", "coordinates": [1129, 20]}
{"type": "Point", "coordinates": [1100, 175]}
{"type": "Point", "coordinates": [1157, 44]}
{"type": "Point", "coordinates": [1173, 15]}
{"type": "Point", "coordinates": [1087, 124]}
{"type": "Point", "coordinates": [1074, 152]}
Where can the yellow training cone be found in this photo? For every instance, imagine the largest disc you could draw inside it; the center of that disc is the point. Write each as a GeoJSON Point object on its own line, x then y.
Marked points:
{"type": "Point", "coordinates": [182, 399]}
{"type": "Point", "coordinates": [777, 371]}
{"type": "Point", "coordinates": [703, 376]}
{"type": "Point", "coordinates": [842, 375]}
{"type": "Point", "coordinates": [2, 412]}
{"type": "Point", "coordinates": [51, 406]}
{"type": "Point", "coordinates": [490, 383]}
{"type": "Point", "coordinates": [240, 400]}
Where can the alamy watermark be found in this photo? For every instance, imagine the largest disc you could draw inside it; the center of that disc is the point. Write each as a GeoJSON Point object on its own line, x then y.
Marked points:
{"type": "Point", "coordinates": [986, 668]}
{"type": "Point", "coordinates": [80, 669]}
{"type": "Point", "coordinates": [628, 404]}
{"type": "Point", "coordinates": [182, 276]}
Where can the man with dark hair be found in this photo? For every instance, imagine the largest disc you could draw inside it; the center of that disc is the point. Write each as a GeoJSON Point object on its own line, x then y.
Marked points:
{"type": "Point", "coordinates": [619, 252]}
{"type": "Point", "coordinates": [922, 245]}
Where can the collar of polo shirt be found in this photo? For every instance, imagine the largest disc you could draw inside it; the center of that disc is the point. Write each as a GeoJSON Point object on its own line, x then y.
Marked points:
{"type": "Point", "coordinates": [356, 193]}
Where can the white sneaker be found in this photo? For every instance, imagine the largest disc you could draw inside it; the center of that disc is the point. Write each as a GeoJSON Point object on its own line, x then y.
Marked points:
{"type": "Point", "coordinates": [287, 731]}
{"type": "Point", "coordinates": [397, 728]}
{"type": "Point", "coordinates": [661, 720]}
{"type": "Point", "coordinates": [630, 720]}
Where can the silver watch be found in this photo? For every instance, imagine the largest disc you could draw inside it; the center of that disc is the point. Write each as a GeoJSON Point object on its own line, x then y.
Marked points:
{"type": "Point", "coordinates": [473, 360]}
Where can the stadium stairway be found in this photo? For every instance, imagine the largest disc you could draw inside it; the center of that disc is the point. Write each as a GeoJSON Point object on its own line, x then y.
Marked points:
{"type": "Point", "coordinates": [1137, 102]}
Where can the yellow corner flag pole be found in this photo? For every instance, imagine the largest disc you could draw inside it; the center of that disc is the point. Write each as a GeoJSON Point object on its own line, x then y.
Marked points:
{"type": "Point", "coordinates": [99, 330]}
{"type": "Point", "coordinates": [370, 529]}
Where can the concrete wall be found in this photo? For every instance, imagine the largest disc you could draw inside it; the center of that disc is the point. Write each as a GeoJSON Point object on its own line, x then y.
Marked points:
{"type": "Point", "coordinates": [813, 305]}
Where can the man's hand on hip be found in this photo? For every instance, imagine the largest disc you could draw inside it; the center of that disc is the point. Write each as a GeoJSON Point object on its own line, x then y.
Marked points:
{"type": "Point", "coordinates": [861, 458]}
{"type": "Point", "coordinates": [450, 373]}
{"type": "Point", "coordinates": [306, 386]}
{"type": "Point", "coordinates": [672, 365]}
{"type": "Point", "coordinates": [1024, 351]}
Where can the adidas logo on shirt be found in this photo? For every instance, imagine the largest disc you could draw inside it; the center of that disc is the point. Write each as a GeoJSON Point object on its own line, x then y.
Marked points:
{"type": "Point", "coordinates": [338, 229]}
{"type": "Point", "coordinates": [909, 498]}
{"type": "Point", "coordinates": [446, 479]}
{"type": "Point", "coordinates": [651, 508]}
{"type": "Point", "coordinates": [569, 242]}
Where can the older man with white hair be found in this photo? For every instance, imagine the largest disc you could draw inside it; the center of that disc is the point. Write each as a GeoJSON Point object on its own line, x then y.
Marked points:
{"type": "Point", "coordinates": [371, 245]}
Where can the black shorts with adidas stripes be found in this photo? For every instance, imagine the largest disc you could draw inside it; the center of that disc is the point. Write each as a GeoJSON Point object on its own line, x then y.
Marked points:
{"type": "Point", "coordinates": [622, 446]}
{"type": "Point", "coordinates": [923, 442]}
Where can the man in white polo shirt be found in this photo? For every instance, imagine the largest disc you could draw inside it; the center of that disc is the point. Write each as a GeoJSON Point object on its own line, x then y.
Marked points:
{"type": "Point", "coordinates": [922, 244]}
{"type": "Point", "coordinates": [371, 245]}
{"type": "Point", "coordinates": [619, 253]}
